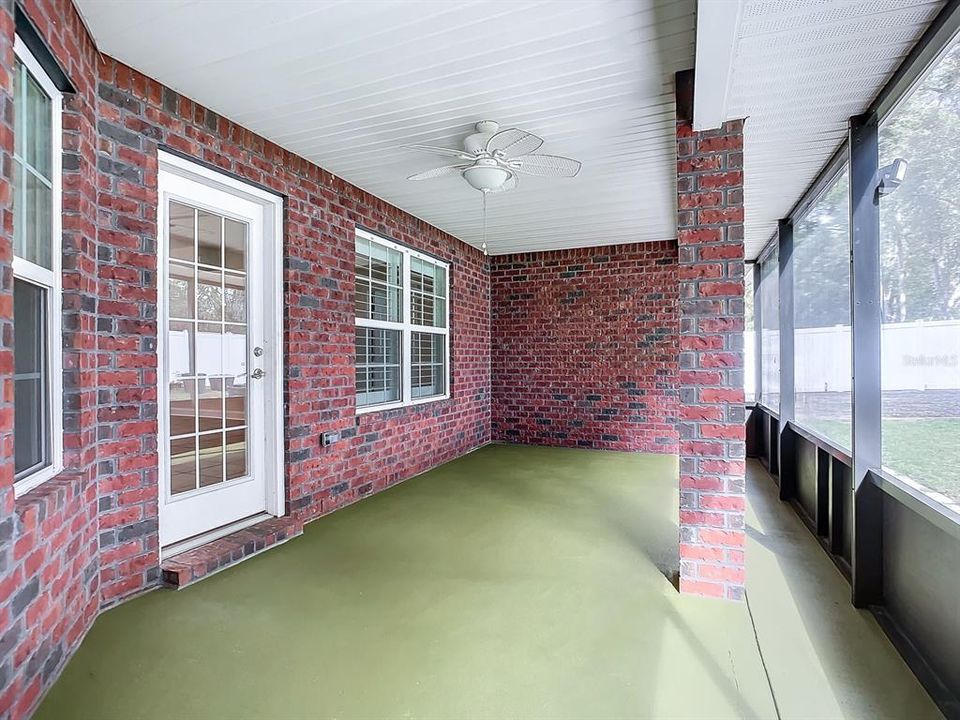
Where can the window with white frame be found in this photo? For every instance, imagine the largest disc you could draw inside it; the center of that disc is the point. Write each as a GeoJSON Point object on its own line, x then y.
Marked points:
{"type": "Point", "coordinates": [36, 270]}
{"type": "Point", "coordinates": [402, 339]}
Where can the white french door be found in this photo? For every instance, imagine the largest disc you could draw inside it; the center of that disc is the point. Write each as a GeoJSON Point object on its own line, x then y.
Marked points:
{"type": "Point", "coordinates": [218, 344]}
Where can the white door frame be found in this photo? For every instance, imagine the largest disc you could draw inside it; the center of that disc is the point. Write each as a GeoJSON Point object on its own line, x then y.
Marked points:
{"type": "Point", "coordinates": [271, 270]}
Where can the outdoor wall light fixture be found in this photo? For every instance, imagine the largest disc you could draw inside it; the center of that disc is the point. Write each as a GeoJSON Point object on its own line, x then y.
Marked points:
{"type": "Point", "coordinates": [891, 176]}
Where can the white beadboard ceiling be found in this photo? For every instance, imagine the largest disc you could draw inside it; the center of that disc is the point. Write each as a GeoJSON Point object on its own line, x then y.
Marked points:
{"type": "Point", "coordinates": [347, 84]}
{"type": "Point", "coordinates": [801, 68]}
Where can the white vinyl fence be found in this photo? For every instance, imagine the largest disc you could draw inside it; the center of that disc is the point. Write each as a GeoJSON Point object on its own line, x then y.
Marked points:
{"type": "Point", "coordinates": [915, 356]}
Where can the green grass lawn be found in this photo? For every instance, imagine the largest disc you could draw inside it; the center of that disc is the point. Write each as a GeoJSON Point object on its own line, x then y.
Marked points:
{"type": "Point", "coordinates": [926, 450]}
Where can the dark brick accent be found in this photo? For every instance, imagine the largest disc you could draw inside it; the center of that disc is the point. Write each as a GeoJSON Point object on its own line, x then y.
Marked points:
{"type": "Point", "coordinates": [23, 597]}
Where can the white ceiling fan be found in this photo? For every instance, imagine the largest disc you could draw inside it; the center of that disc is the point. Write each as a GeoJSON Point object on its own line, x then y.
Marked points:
{"type": "Point", "coordinates": [491, 159]}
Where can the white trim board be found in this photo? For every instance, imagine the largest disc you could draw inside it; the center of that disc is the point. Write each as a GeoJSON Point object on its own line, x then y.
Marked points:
{"type": "Point", "coordinates": [718, 30]}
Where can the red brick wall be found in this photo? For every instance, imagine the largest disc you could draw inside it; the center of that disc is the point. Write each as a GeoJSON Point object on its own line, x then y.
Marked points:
{"type": "Point", "coordinates": [585, 347]}
{"type": "Point", "coordinates": [88, 538]}
{"type": "Point", "coordinates": [12, 580]}
{"type": "Point", "coordinates": [379, 449]}
{"type": "Point", "coordinates": [712, 446]}
{"type": "Point", "coordinates": [49, 585]}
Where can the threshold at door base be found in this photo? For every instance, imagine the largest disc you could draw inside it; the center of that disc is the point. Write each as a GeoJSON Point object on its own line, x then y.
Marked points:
{"type": "Point", "coordinates": [200, 562]}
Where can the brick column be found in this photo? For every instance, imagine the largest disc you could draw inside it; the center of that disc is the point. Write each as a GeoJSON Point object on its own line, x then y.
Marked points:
{"type": "Point", "coordinates": [712, 449]}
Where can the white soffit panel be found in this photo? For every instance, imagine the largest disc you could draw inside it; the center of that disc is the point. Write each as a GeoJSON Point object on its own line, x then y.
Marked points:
{"type": "Point", "coordinates": [801, 68]}
{"type": "Point", "coordinates": [347, 84]}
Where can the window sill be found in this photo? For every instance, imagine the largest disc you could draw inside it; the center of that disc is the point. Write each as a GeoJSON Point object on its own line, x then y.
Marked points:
{"type": "Point", "coordinates": [47, 498]}
{"type": "Point", "coordinates": [370, 409]}
{"type": "Point", "coordinates": [840, 453]}
{"type": "Point", "coordinates": [935, 507]}
{"type": "Point", "coordinates": [769, 411]}
{"type": "Point", "coordinates": [32, 482]}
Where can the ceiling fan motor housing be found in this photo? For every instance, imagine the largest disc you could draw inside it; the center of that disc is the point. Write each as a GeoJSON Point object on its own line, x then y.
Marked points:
{"type": "Point", "coordinates": [477, 142]}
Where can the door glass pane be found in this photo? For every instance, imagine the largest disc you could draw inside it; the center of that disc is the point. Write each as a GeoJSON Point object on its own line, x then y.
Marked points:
{"type": "Point", "coordinates": [183, 464]}
{"type": "Point", "coordinates": [180, 349]}
{"type": "Point", "coordinates": [234, 244]}
{"type": "Point", "coordinates": [920, 284]}
{"type": "Point", "coordinates": [183, 407]}
{"type": "Point", "coordinates": [235, 374]}
{"type": "Point", "coordinates": [236, 449]}
{"type": "Point", "coordinates": [207, 348]}
{"type": "Point", "coordinates": [210, 375]}
{"type": "Point", "coordinates": [31, 431]}
{"type": "Point", "coordinates": [180, 290]}
{"type": "Point", "coordinates": [234, 297]}
{"type": "Point", "coordinates": [208, 238]}
{"type": "Point", "coordinates": [182, 227]}
{"type": "Point", "coordinates": [211, 459]}
{"type": "Point", "coordinates": [209, 295]}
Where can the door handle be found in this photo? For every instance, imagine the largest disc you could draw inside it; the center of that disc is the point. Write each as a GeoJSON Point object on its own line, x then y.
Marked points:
{"type": "Point", "coordinates": [257, 374]}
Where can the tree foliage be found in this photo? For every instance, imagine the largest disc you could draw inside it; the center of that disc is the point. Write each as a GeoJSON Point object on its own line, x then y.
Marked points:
{"type": "Point", "coordinates": [821, 260]}
{"type": "Point", "coordinates": [920, 221]}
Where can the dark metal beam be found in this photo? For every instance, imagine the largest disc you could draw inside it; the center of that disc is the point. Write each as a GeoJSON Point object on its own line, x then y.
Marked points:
{"type": "Point", "coordinates": [787, 405]}
{"type": "Point", "coordinates": [866, 565]}
{"type": "Point", "coordinates": [684, 94]}
{"type": "Point", "coordinates": [757, 330]}
{"type": "Point", "coordinates": [788, 442]}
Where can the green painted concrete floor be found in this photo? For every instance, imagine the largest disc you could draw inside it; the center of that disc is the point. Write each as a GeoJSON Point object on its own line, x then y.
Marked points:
{"type": "Point", "coordinates": [515, 582]}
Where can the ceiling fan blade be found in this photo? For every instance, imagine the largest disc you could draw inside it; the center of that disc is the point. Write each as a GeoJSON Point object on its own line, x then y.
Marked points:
{"type": "Point", "coordinates": [546, 165]}
{"type": "Point", "coordinates": [439, 172]}
{"type": "Point", "coordinates": [510, 184]}
{"type": "Point", "coordinates": [437, 150]}
{"type": "Point", "coordinates": [513, 142]}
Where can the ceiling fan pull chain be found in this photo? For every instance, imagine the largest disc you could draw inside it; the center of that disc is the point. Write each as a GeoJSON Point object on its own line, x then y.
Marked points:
{"type": "Point", "coordinates": [483, 246]}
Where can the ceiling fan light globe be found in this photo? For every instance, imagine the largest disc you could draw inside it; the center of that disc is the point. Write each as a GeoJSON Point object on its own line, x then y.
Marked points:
{"type": "Point", "coordinates": [486, 177]}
